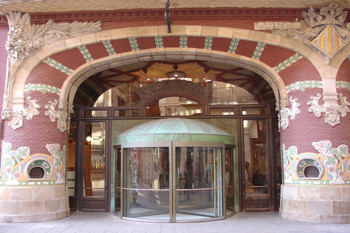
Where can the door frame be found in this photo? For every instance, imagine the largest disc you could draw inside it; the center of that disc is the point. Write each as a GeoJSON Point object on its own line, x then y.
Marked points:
{"type": "Point", "coordinates": [83, 202]}
{"type": "Point", "coordinates": [272, 177]}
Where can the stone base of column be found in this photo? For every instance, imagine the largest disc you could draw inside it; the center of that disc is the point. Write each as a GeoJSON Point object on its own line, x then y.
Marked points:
{"type": "Point", "coordinates": [319, 204]}
{"type": "Point", "coordinates": [33, 204]}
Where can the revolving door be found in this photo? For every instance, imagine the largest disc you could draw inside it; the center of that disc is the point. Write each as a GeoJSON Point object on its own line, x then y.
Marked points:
{"type": "Point", "coordinates": [173, 181]}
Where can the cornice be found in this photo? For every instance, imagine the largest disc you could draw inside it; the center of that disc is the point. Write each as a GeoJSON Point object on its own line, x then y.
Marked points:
{"type": "Point", "coordinates": [270, 14]}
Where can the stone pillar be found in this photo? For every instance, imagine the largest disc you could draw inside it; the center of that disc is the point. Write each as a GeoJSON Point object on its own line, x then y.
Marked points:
{"type": "Point", "coordinates": [33, 166]}
{"type": "Point", "coordinates": [316, 153]}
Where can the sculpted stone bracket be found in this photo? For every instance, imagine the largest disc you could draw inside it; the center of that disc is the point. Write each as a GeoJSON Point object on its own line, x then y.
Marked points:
{"type": "Point", "coordinates": [332, 110]}
{"type": "Point", "coordinates": [61, 115]}
{"type": "Point", "coordinates": [24, 39]}
{"type": "Point", "coordinates": [285, 113]}
{"type": "Point", "coordinates": [169, 88]}
{"type": "Point", "coordinates": [15, 116]}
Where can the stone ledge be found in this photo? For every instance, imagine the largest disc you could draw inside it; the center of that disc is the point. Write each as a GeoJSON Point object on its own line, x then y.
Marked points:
{"type": "Point", "coordinates": [33, 218]}
{"type": "Point", "coordinates": [326, 219]}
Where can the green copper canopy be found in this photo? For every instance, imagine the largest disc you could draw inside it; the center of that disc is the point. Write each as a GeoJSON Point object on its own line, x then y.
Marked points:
{"type": "Point", "coordinates": [175, 129]}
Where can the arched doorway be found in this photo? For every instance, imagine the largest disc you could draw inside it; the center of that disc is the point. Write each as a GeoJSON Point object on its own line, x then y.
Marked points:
{"type": "Point", "coordinates": [224, 105]}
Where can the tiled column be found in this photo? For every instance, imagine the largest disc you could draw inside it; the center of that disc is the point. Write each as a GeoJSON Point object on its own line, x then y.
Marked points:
{"type": "Point", "coordinates": [316, 142]}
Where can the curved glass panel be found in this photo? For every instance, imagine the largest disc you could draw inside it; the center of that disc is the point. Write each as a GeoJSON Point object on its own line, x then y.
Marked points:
{"type": "Point", "coordinates": [199, 186]}
{"type": "Point", "coordinates": [146, 183]}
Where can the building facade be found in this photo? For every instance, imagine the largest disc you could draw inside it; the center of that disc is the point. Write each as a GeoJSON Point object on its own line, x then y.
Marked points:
{"type": "Point", "coordinates": [272, 80]}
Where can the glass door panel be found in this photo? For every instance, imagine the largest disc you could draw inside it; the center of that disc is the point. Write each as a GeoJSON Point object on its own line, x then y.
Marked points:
{"type": "Point", "coordinates": [93, 156]}
{"type": "Point", "coordinates": [256, 158]}
{"type": "Point", "coordinates": [229, 180]}
{"type": "Point", "coordinates": [146, 183]}
{"type": "Point", "coordinates": [117, 181]}
{"type": "Point", "coordinates": [198, 181]}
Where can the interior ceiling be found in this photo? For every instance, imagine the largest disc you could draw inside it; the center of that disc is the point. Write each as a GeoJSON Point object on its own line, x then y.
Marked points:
{"type": "Point", "coordinates": [146, 73]}
{"type": "Point", "coordinates": [31, 6]}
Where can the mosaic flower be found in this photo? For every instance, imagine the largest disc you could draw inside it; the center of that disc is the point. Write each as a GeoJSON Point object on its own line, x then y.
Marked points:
{"type": "Point", "coordinates": [8, 170]}
{"type": "Point", "coordinates": [57, 170]}
{"type": "Point", "coordinates": [16, 175]}
{"type": "Point", "coordinates": [341, 173]}
{"type": "Point", "coordinates": [331, 169]}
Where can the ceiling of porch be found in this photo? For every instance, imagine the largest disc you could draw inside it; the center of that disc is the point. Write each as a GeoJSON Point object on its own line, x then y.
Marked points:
{"type": "Point", "coordinates": [131, 77]}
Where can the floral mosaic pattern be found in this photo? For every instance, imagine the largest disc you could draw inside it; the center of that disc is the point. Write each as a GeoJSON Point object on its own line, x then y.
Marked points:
{"type": "Point", "coordinates": [14, 165]}
{"type": "Point", "coordinates": [334, 160]}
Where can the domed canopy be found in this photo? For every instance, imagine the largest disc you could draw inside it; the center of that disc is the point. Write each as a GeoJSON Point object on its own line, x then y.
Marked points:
{"type": "Point", "coordinates": [175, 129]}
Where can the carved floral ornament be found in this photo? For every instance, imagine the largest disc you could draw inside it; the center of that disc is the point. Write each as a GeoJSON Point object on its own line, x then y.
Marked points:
{"type": "Point", "coordinates": [287, 113]}
{"type": "Point", "coordinates": [332, 110]}
{"type": "Point", "coordinates": [324, 34]}
{"type": "Point", "coordinates": [23, 40]}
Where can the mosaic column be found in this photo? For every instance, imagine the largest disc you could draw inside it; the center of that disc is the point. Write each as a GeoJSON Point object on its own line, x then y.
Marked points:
{"type": "Point", "coordinates": [33, 168]}
{"type": "Point", "coordinates": [316, 139]}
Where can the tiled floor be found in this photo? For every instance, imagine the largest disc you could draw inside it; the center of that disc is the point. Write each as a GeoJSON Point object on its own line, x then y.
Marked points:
{"type": "Point", "coordinates": [107, 222]}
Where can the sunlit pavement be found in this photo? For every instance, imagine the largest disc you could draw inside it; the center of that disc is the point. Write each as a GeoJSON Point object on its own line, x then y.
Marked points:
{"type": "Point", "coordinates": [107, 222]}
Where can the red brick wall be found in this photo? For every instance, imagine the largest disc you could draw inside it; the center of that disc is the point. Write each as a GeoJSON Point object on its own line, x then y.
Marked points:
{"type": "Point", "coordinates": [39, 131]}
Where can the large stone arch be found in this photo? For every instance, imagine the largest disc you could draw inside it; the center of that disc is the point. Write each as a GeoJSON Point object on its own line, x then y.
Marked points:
{"type": "Point", "coordinates": [18, 79]}
{"type": "Point", "coordinates": [72, 83]}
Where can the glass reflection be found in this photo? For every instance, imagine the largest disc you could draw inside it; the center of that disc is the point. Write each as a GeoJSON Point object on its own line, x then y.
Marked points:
{"type": "Point", "coordinates": [94, 159]}
{"type": "Point", "coordinates": [256, 165]}
{"type": "Point", "coordinates": [198, 172]}
{"type": "Point", "coordinates": [146, 186]}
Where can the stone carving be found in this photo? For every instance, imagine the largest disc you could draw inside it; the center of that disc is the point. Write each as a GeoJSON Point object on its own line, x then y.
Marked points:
{"type": "Point", "coordinates": [15, 116]}
{"type": "Point", "coordinates": [277, 25]}
{"type": "Point", "coordinates": [325, 33]}
{"type": "Point", "coordinates": [331, 109]}
{"type": "Point", "coordinates": [25, 38]}
{"type": "Point", "coordinates": [174, 86]}
{"type": "Point", "coordinates": [285, 113]}
{"type": "Point", "coordinates": [61, 115]}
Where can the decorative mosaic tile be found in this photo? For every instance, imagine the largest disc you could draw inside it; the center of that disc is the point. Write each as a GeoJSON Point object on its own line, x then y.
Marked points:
{"type": "Point", "coordinates": [15, 165]}
{"type": "Point", "coordinates": [159, 41]}
{"type": "Point", "coordinates": [334, 160]}
{"type": "Point", "coordinates": [58, 66]}
{"type": "Point", "coordinates": [183, 41]}
{"type": "Point", "coordinates": [258, 50]}
{"type": "Point", "coordinates": [133, 44]}
{"type": "Point", "coordinates": [109, 48]}
{"type": "Point", "coordinates": [208, 43]}
{"type": "Point", "coordinates": [301, 85]}
{"type": "Point", "coordinates": [43, 88]}
{"type": "Point", "coordinates": [85, 52]}
{"type": "Point", "coordinates": [233, 46]}
{"type": "Point", "coordinates": [343, 84]}
{"type": "Point", "coordinates": [290, 61]}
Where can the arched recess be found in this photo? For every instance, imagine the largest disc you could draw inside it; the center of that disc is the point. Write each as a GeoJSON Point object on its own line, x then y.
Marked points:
{"type": "Point", "coordinates": [170, 88]}
{"type": "Point", "coordinates": [82, 73]}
